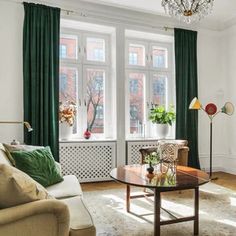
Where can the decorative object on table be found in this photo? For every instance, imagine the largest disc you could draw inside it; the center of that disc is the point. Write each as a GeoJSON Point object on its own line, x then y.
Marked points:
{"type": "Point", "coordinates": [162, 119]}
{"type": "Point", "coordinates": [67, 112]}
{"type": "Point", "coordinates": [188, 10]}
{"type": "Point", "coordinates": [87, 134]}
{"type": "Point", "coordinates": [168, 159]}
{"type": "Point", "coordinates": [211, 111]}
{"type": "Point", "coordinates": [152, 159]}
{"type": "Point", "coordinates": [25, 123]}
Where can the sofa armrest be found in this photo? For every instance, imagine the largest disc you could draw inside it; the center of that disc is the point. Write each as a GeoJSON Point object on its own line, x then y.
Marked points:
{"type": "Point", "coordinates": [36, 218]}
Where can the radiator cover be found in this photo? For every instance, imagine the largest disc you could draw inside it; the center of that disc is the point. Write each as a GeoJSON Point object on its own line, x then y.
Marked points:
{"type": "Point", "coordinates": [89, 161]}
{"type": "Point", "coordinates": [133, 154]}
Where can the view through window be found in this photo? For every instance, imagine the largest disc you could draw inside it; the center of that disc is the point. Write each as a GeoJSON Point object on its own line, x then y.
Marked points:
{"type": "Point", "coordinates": [84, 71]}
{"type": "Point", "coordinates": [149, 78]}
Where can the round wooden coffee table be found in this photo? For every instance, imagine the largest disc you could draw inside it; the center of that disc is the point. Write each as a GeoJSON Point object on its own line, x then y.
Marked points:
{"type": "Point", "coordinates": [185, 178]}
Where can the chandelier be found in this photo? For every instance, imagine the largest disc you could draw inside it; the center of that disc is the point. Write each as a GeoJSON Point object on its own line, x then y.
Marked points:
{"type": "Point", "coordinates": [188, 10]}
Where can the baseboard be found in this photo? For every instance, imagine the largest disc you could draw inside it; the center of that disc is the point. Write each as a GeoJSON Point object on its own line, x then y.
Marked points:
{"type": "Point", "coordinates": [221, 162]}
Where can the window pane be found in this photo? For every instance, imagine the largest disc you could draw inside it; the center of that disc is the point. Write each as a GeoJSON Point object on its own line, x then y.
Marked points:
{"type": "Point", "coordinates": [68, 84]}
{"type": "Point", "coordinates": [95, 100]}
{"type": "Point", "coordinates": [159, 56]}
{"type": "Point", "coordinates": [95, 49]}
{"type": "Point", "coordinates": [68, 47]}
{"type": "Point", "coordinates": [136, 100]}
{"type": "Point", "coordinates": [136, 55]}
{"type": "Point", "coordinates": [159, 92]}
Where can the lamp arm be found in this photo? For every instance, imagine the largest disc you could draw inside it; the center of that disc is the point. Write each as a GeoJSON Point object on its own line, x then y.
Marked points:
{"type": "Point", "coordinates": [210, 116]}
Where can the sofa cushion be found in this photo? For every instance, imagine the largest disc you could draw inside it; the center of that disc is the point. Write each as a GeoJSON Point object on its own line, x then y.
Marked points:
{"type": "Point", "coordinates": [81, 222]}
{"type": "Point", "coordinates": [11, 148]}
{"type": "Point", "coordinates": [70, 187]}
{"type": "Point", "coordinates": [16, 187]}
{"type": "Point", "coordinates": [3, 156]}
{"type": "Point", "coordinates": [38, 164]}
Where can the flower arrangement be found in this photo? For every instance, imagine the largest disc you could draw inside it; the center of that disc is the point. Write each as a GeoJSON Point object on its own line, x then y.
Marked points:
{"type": "Point", "coordinates": [67, 112]}
{"type": "Point", "coordinates": [153, 158]}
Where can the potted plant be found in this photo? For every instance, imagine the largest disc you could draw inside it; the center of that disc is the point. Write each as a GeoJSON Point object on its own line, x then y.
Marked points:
{"type": "Point", "coordinates": [67, 113]}
{"type": "Point", "coordinates": [152, 159]}
{"type": "Point", "coordinates": [162, 119]}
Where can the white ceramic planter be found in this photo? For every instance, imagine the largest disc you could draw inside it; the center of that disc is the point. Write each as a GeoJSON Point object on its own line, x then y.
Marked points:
{"type": "Point", "coordinates": [65, 131]}
{"type": "Point", "coordinates": [161, 130]}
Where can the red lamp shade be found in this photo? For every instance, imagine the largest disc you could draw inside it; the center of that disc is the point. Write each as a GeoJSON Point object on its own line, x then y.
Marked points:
{"type": "Point", "coordinates": [211, 109]}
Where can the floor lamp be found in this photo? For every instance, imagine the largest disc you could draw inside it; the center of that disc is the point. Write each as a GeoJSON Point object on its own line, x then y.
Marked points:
{"type": "Point", "coordinates": [211, 111]}
{"type": "Point", "coordinates": [25, 123]}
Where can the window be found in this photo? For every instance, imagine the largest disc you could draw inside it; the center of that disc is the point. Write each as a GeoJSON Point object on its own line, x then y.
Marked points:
{"type": "Point", "coordinates": [136, 54]}
{"type": "Point", "coordinates": [68, 46]}
{"type": "Point", "coordinates": [84, 79]}
{"type": "Point", "coordinates": [148, 82]}
{"type": "Point", "coordinates": [133, 58]}
{"type": "Point", "coordinates": [63, 51]}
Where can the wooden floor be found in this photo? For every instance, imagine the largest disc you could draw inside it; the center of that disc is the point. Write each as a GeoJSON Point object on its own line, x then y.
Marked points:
{"type": "Point", "coordinates": [224, 179]}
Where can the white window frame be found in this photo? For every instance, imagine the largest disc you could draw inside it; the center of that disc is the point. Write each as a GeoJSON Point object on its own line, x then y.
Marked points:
{"type": "Point", "coordinates": [107, 48]}
{"type": "Point", "coordinates": [81, 64]}
{"type": "Point", "coordinates": [149, 71]}
{"type": "Point", "coordinates": [138, 42]}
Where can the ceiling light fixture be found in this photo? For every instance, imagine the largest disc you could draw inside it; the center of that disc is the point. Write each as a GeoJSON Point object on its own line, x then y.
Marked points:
{"type": "Point", "coordinates": [188, 10]}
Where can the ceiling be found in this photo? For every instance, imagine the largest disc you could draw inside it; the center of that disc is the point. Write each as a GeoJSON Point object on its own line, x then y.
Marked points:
{"type": "Point", "coordinates": [223, 15]}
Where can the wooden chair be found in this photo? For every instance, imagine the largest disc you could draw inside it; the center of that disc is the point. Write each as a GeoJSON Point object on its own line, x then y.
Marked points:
{"type": "Point", "coordinates": [182, 151]}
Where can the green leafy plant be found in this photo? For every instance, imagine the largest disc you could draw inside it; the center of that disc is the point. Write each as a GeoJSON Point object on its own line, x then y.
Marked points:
{"type": "Point", "coordinates": [152, 159]}
{"type": "Point", "coordinates": [159, 115]}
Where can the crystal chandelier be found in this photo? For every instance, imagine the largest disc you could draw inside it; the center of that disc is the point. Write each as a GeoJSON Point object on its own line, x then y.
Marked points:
{"type": "Point", "coordinates": [188, 10]}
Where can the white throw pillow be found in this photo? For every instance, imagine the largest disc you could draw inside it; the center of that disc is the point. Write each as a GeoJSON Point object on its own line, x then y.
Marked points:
{"type": "Point", "coordinates": [17, 188]}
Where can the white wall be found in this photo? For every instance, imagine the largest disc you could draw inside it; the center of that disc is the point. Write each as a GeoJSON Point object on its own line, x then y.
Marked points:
{"type": "Point", "coordinates": [212, 81]}
{"type": "Point", "coordinates": [212, 88]}
{"type": "Point", "coordinates": [11, 84]}
{"type": "Point", "coordinates": [228, 48]}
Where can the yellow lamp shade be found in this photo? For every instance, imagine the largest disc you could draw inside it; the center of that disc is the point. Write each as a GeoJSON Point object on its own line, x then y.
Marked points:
{"type": "Point", "coordinates": [195, 104]}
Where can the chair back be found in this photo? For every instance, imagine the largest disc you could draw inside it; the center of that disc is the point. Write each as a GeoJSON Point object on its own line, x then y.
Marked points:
{"type": "Point", "coordinates": [168, 152]}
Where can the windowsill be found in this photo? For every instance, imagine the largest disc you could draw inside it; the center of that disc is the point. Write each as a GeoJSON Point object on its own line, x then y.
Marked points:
{"type": "Point", "coordinates": [77, 140]}
{"type": "Point", "coordinates": [146, 138]}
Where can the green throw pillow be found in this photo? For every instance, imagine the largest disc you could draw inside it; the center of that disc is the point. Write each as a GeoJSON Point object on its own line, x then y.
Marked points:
{"type": "Point", "coordinates": [39, 164]}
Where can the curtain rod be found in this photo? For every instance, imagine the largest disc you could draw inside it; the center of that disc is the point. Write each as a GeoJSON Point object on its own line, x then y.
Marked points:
{"type": "Point", "coordinates": [91, 15]}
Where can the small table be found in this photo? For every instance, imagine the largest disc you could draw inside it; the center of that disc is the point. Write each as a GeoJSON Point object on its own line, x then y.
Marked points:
{"type": "Point", "coordinates": [185, 178]}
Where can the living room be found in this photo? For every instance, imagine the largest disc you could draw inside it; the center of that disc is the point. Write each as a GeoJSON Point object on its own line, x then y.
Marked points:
{"type": "Point", "coordinates": [129, 51]}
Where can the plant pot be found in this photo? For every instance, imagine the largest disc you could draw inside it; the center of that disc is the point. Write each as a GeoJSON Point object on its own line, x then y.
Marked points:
{"type": "Point", "coordinates": [150, 169]}
{"type": "Point", "coordinates": [161, 130]}
{"type": "Point", "coordinates": [65, 131]}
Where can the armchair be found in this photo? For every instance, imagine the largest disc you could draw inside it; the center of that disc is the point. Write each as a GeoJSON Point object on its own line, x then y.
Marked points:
{"type": "Point", "coordinates": [43, 217]}
{"type": "Point", "coordinates": [182, 152]}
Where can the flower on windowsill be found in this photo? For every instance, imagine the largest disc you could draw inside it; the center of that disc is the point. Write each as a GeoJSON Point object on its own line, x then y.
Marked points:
{"type": "Point", "coordinates": [67, 112]}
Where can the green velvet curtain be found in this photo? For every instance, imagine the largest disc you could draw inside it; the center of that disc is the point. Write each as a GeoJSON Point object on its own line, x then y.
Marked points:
{"type": "Point", "coordinates": [186, 90]}
{"type": "Point", "coordinates": [41, 36]}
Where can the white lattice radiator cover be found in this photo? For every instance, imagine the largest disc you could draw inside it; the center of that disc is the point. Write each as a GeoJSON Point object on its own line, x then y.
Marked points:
{"type": "Point", "coordinates": [133, 154]}
{"type": "Point", "coordinates": [88, 161]}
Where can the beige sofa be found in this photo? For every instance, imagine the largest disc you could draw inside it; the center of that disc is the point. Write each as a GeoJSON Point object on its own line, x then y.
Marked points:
{"type": "Point", "coordinates": [65, 215]}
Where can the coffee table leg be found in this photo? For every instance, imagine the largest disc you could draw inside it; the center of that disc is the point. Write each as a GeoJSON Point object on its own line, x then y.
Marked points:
{"type": "Point", "coordinates": [196, 211]}
{"type": "Point", "coordinates": [127, 198]}
{"type": "Point", "coordinates": [157, 213]}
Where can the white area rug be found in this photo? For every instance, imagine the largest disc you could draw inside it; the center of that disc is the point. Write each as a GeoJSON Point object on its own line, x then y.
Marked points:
{"type": "Point", "coordinates": [217, 212]}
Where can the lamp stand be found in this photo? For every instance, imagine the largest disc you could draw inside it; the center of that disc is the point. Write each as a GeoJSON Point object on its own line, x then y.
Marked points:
{"type": "Point", "coordinates": [211, 152]}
